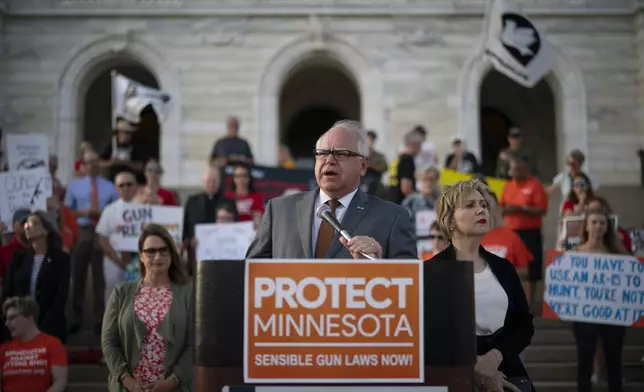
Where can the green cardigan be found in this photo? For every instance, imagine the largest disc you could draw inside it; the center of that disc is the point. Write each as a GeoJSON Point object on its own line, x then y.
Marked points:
{"type": "Point", "coordinates": [123, 332]}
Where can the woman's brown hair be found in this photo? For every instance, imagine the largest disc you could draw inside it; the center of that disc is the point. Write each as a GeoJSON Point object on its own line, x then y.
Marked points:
{"type": "Point", "coordinates": [176, 271]}
{"type": "Point", "coordinates": [610, 237]}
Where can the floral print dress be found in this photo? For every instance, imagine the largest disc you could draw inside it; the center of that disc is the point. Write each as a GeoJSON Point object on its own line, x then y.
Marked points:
{"type": "Point", "coordinates": [151, 305]}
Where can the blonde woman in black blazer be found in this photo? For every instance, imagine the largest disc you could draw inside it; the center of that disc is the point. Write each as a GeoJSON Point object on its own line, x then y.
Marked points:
{"type": "Point", "coordinates": [503, 320]}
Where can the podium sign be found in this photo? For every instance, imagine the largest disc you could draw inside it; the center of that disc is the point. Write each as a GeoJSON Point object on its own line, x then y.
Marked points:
{"type": "Point", "coordinates": [333, 321]}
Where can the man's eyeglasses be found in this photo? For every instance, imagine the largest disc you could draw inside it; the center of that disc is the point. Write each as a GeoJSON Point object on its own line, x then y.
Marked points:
{"type": "Point", "coordinates": [154, 170]}
{"type": "Point", "coordinates": [337, 154]}
{"type": "Point", "coordinates": [124, 185]}
{"type": "Point", "coordinates": [436, 237]}
{"type": "Point", "coordinates": [152, 252]}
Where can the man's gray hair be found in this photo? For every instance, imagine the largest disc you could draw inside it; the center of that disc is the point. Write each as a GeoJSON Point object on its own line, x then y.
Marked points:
{"type": "Point", "coordinates": [357, 129]}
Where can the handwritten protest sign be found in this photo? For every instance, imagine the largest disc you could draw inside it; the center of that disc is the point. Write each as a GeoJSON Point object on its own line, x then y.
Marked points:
{"type": "Point", "coordinates": [595, 288]}
{"type": "Point", "coordinates": [333, 321]}
{"type": "Point", "coordinates": [224, 241]}
{"type": "Point", "coordinates": [571, 230]}
{"type": "Point", "coordinates": [27, 151]}
{"type": "Point", "coordinates": [133, 217]}
{"type": "Point", "coordinates": [637, 240]}
{"type": "Point", "coordinates": [23, 189]}
{"type": "Point", "coordinates": [424, 220]}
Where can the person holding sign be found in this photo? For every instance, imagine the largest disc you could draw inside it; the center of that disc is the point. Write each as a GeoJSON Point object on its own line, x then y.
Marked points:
{"type": "Point", "coordinates": [503, 320]}
{"type": "Point", "coordinates": [598, 236]}
{"type": "Point", "coordinates": [115, 262]}
{"type": "Point", "coordinates": [292, 229]}
{"type": "Point", "coordinates": [580, 192]}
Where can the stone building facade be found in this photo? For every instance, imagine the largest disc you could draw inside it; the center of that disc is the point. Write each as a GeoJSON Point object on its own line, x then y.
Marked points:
{"type": "Point", "coordinates": [275, 63]}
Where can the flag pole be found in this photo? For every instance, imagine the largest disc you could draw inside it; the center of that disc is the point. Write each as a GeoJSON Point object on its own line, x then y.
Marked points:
{"type": "Point", "coordinates": [113, 75]}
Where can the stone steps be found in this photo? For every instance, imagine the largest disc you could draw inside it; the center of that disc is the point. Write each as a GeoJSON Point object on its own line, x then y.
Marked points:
{"type": "Point", "coordinates": [567, 371]}
{"type": "Point", "coordinates": [571, 386]}
{"type": "Point", "coordinates": [568, 353]}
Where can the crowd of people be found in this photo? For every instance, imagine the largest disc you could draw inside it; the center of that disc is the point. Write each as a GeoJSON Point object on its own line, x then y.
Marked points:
{"type": "Point", "coordinates": [146, 324]}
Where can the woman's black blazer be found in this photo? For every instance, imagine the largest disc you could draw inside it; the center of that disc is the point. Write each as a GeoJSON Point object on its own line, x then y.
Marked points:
{"type": "Point", "coordinates": [517, 330]}
{"type": "Point", "coordinates": [52, 288]}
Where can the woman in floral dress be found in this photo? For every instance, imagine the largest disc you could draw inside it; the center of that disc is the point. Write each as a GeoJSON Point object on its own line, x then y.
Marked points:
{"type": "Point", "coordinates": [147, 331]}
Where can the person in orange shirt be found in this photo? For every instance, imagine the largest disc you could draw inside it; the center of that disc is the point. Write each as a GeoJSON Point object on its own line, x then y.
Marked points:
{"type": "Point", "coordinates": [439, 242]}
{"type": "Point", "coordinates": [524, 202]}
{"type": "Point", "coordinates": [505, 243]}
{"type": "Point", "coordinates": [46, 367]}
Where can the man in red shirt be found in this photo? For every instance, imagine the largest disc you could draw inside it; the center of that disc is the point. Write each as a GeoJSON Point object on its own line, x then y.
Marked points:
{"type": "Point", "coordinates": [33, 361]}
{"type": "Point", "coordinates": [16, 243]}
{"type": "Point", "coordinates": [524, 202]}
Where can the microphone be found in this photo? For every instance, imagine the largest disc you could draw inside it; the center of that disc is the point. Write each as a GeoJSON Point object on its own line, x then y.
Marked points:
{"type": "Point", "coordinates": [324, 213]}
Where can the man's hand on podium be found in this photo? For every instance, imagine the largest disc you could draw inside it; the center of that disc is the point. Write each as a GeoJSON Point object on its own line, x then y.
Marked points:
{"type": "Point", "coordinates": [362, 244]}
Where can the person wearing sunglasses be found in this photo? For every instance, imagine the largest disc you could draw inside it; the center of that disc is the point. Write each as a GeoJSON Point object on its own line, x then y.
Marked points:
{"type": "Point", "coordinates": [580, 191]}
{"type": "Point", "coordinates": [147, 336]}
{"type": "Point", "coordinates": [438, 241]}
{"type": "Point", "coordinates": [115, 262]}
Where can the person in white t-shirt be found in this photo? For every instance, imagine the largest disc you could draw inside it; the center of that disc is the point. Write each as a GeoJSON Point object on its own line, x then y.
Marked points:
{"type": "Point", "coordinates": [114, 262]}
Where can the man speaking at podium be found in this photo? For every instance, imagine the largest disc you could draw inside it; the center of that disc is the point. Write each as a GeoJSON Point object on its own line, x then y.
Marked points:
{"type": "Point", "coordinates": [291, 227]}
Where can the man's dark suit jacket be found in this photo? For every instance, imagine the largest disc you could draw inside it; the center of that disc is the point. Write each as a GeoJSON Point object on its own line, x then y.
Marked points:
{"type": "Point", "coordinates": [287, 224]}
{"type": "Point", "coordinates": [194, 212]}
{"type": "Point", "coordinates": [52, 288]}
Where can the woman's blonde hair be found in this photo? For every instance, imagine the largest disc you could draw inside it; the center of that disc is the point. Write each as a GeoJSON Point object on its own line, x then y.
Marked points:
{"type": "Point", "coordinates": [452, 198]}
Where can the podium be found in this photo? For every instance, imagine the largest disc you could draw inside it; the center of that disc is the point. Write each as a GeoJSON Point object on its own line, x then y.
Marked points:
{"type": "Point", "coordinates": [449, 325]}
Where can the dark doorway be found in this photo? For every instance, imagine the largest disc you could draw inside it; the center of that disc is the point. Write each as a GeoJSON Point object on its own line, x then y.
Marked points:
{"type": "Point", "coordinates": [504, 104]}
{"type": "Point", "coordinates": [494, 137]}
{"type": "Point", "coordinates": [316, 94]}
{"type": "Point", "coordinates": [97, 121]}
{"type": "Point", "coordinates": [307, 127]}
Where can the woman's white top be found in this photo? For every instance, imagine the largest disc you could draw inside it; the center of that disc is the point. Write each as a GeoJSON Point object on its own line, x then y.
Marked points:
{"type": "Point", "coordinates": [490, 302]}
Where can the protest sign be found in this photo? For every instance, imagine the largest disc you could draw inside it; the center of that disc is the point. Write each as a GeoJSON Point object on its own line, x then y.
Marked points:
{"type": "Point", "coordinates": [637, 240]}
{"type": "Point", "coordinates": [424, 220]}
{"type": "Point", "coordinates": [133, 217]}
{"type": "Point", "coordinates": [571, 230]}
{"type": "Point", "coordinates": [27, 151]}
{"type": "Point", "coordinates": [425, 248]}
{"type": "Point", "coordinates": [333, 321]}
{"type": "Point", "coordinates": [451, 177]}
{"type": "Point", "coordinates": [272, 182]}
{"type": "Point", "coordinates": [594, 288]}
{"type": "Point", "coordinates": [23, 189]}
{"type": "Point", "coordinates": [224, 241]}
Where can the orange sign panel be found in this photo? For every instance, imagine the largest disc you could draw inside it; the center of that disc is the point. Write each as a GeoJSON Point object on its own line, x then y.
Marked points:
{"type": "Point", "coordinates": [332, 321]}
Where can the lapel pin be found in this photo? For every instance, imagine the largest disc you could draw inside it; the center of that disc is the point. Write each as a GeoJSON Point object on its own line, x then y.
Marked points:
{"type": "Point", "coordinates": [360, 207]}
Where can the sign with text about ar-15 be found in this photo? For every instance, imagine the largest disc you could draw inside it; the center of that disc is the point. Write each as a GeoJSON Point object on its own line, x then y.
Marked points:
{"type": "Point", "coordinates": [595, 288]}
{"type": "Point", "coordinates": [333, 321]}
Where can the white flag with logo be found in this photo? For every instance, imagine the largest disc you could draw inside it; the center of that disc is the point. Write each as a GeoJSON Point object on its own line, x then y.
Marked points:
{"type": "Point", "coordinates": [129, 98]}
{"type": "Point", "coordinates": [515, 45]}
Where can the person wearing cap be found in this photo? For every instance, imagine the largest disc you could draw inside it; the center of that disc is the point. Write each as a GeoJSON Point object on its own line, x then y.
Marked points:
{"type": "Point", "coordinates": [122, 154]}
{"type": "Point", "coordinates": [18, 241]}
{"type": "Point", "coordinates": [460, 159]}
{"type": "Point", "coordinates": [153, 173]}
{"type": "Point", "coordinates": [516, 148]}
